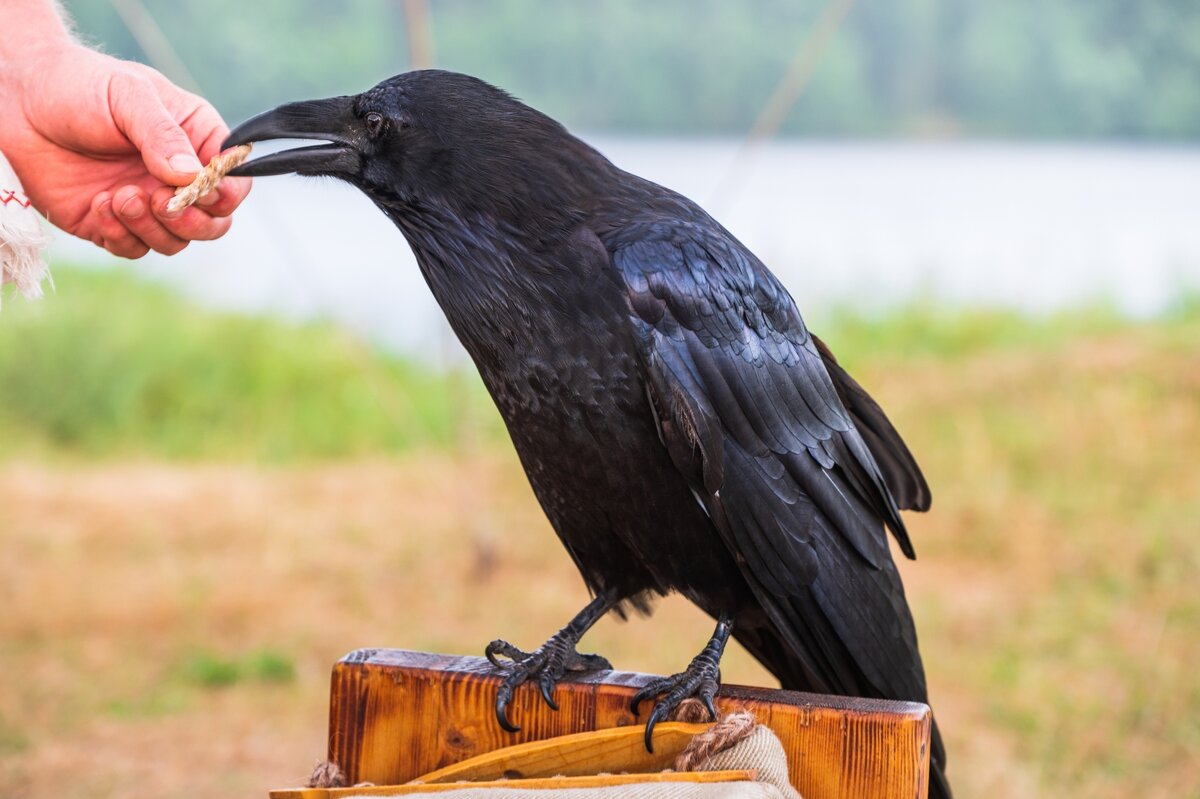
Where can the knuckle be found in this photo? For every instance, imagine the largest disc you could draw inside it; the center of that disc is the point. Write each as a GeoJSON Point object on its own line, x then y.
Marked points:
{"type": "Point", "coordinates": [128, 249]}
{"type": "Point", "coordinates": [187, 228]}
{"type": "Point", "coordinates": [172, 247]}
{"type": "Point", "coordinates": [214, 229]}
{"type": "Point", "coordinates": [112, 229]}
{"type": "Point", "coordinates": [165, 131]}
{"type": "Point", "coordinates": [126, 87]}
{"type": "Point", "coordinates": [140, 227]}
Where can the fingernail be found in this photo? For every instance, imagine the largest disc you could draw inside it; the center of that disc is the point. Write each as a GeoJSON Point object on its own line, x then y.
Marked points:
{"type": "Point", "coordinates": [133, 208]}
{"type": "Point", "coordinates": [184, 163]}
{"type": "Point", "coordinates": [209, 199]}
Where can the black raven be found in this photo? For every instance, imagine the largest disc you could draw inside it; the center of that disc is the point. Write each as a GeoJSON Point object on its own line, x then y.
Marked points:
{"type": "Point", "coordinates": [680, 426]}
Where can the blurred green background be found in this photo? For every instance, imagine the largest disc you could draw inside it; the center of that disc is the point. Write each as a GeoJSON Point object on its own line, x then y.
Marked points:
{"type": "Point", "coordinates": [221, 471]}
{"type": "Point", "coordinates": [1023, 68]}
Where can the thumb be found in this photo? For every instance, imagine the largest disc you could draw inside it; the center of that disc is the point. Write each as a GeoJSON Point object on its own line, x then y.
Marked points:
{"type": "Point", "coordinates": [140, 114]}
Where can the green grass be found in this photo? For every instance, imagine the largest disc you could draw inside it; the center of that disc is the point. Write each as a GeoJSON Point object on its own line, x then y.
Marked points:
{"type": "Point", "coordinates": [110, 365]}
{"type": "Point", "coordinates": [181, 685]}
{"type": "Point", "coordinates": [113, 366]}
{"type": "Point", "coordinates": [214, 671]}
{"type": "Point", "coordinates": [924, 330]}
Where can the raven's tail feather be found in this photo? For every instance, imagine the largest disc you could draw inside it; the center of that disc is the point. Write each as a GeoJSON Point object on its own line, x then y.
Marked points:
{"type": "Point", "coordinates": [899, 468]}
{"type": "Point", "coordinates": [939, 786]}
{"type": "Point", "coordinates": [764, 643]}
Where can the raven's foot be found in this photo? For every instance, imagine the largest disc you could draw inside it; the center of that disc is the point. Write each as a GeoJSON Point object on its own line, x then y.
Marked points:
{"type": "Point", "coordinates": [549, 663]}
{"type": "Point", "coordinates": [701, 679]}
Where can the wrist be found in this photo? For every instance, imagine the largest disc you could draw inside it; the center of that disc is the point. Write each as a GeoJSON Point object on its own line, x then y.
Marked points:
{"type": "Point", "coordinates": [24, 62]}
{"type": "Point", "coordinates": [40, 26]}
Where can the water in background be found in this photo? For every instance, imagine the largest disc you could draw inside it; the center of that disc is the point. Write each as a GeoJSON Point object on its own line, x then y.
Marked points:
{"type": "Point", "coordinates": [867, 225]}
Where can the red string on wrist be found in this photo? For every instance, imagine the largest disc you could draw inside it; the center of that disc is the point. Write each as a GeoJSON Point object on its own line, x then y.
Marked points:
{"type": "Point", "coordinates": [9, 196]}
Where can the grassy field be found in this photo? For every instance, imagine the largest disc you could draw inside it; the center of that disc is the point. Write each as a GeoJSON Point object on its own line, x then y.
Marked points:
{"type": "Point", "coordinates": [199, 513]}
{"type": "Point", "coordinates": [112, 367]}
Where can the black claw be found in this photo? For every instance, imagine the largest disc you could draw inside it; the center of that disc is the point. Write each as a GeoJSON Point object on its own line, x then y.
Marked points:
{"type": "Point", "coordinates": [546, 682]}
{"type": "Point", "coordinates": [502, 699]}
{"type": "Point", "coordinates": [708, 704]}
{"type": "Point", "coordinates": [658, 714]}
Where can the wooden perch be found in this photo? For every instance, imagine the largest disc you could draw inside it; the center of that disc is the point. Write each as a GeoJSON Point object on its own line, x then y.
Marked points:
{"type": "Point", "coordinates": [396, 716]}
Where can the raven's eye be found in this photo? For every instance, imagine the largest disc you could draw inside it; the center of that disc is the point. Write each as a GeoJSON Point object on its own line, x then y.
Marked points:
{"type": "Point", "coordinates": [374, 123]}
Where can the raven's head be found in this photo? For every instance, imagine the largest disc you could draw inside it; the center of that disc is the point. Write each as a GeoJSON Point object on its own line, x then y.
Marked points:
{"type": "Point", "coordinates": [434, 137]}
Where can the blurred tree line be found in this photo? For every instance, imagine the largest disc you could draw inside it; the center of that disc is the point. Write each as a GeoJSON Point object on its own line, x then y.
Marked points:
{"type": "Point", "coordinates": [992, 68]}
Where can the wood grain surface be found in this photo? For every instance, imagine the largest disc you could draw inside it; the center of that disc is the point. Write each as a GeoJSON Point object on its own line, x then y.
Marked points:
{"type": "Point", "coordinates": [396, 715]}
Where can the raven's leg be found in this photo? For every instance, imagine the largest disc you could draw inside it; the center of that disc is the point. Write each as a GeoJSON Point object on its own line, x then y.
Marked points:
{"type": "Point", "coordinates": [551, 661]}
{"type": "Point", "coordinates": [701, 679]}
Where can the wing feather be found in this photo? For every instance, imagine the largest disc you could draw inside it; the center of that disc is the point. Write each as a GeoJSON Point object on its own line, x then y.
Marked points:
{"type": "Point", "coordinates": [753, 419]}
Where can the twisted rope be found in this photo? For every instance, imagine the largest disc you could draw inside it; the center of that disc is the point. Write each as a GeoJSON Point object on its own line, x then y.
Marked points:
{"type": "Point", "coordinates": [326, 774]}
{"type": "Point", "coordinates": [729, 730]}
{"type": "Point", "coordinates": [208, 178]}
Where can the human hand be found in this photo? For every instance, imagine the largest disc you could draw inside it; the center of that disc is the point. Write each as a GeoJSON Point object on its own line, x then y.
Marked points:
{"type": "Point", "coordinates": [100, 145]}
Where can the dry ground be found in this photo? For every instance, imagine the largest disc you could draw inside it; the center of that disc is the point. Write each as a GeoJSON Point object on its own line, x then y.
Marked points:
{"type": "Point", "coordinates": [168, 630]}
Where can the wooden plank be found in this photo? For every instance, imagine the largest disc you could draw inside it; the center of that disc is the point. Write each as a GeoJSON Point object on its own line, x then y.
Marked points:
{"type": "Point", "coordinates": [542, 783]}
{"type": "Point", "coordinates": [598, 751]}
{"type": "Point", "coordinates": [396, 715]}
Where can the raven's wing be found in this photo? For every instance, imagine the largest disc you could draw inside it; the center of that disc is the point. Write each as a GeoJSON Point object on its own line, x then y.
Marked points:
{"type": "Point", "coordinates": [750, 416]}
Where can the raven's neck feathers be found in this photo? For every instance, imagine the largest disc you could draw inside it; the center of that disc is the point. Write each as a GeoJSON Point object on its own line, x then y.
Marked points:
{"type": "Point", "coordinates": [491, 288]}
{"type": "Point", "coordinates": [489, 219]}
{"type": "Point", "coordinates": [526, 177]}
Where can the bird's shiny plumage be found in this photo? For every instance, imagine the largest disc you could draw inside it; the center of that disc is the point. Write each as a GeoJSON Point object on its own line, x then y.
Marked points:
{"type": "Point", "coordinates": [679, 424]}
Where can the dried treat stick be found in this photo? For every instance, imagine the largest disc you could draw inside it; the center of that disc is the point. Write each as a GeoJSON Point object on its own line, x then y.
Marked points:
{"type": "Point", "coordinates": [208, 178]}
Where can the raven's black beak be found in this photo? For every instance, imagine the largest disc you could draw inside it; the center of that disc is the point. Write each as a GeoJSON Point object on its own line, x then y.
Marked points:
{"type": "Point", "coordinates": [332, 120]}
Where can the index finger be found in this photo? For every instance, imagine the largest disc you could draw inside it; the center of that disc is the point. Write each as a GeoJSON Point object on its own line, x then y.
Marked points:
{"type": "Point", "coordinates": [206, 129]}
